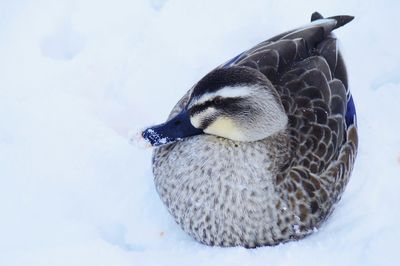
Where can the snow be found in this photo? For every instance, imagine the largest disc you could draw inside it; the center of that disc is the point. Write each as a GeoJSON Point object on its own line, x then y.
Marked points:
{"type": "Point", "coordinates": [77, 77]}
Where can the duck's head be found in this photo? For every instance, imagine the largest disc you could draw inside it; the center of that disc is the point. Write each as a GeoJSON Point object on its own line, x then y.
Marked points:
{"type": "Point", "coordinates": [237, 103]}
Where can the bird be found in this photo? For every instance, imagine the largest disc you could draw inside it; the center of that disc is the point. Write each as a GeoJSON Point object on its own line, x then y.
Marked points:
{"type": "Point", "coordinates": [260, 150]}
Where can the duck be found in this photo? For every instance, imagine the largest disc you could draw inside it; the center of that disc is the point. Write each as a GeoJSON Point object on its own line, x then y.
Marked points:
{"type": "Point", "coordinates": [260, 150]}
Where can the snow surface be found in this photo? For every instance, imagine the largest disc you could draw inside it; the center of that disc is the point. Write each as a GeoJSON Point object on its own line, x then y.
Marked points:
{"type": "Point", "coordinates": [76, 77]}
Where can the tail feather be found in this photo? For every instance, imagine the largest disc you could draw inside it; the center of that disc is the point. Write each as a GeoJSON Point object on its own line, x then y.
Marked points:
{"type": "Point", "coordinates": [340, 20]}
{"type": "Point", "coordinates": [316, 16]}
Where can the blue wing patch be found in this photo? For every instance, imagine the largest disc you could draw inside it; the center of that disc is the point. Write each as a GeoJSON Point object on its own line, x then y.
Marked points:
{"type": "Point", "coordinates": [351, 116]}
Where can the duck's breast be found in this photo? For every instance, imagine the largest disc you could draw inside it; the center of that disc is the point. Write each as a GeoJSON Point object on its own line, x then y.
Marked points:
{"type": "Point", "coordinates": [221, 191]}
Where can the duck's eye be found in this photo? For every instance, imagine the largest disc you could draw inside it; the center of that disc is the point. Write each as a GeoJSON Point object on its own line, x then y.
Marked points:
{"type": "Point", "coordinates": [217, 100]}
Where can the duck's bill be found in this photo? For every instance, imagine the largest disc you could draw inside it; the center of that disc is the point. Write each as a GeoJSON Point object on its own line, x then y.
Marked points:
{"type": "Point", "coordinates": [173, 130]}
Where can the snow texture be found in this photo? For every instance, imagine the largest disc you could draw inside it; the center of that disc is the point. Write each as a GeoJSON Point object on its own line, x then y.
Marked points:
{"type": "Point", "coordinates": [77, 76]}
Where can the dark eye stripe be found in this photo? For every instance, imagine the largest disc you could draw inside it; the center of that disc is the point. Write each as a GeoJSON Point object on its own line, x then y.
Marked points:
{"type": "Point", "coordinates": [218, 103]}
{"type": "Point", "coordinates": [200, 107]}
{"type": "Point", "coordinates": [206, 122]}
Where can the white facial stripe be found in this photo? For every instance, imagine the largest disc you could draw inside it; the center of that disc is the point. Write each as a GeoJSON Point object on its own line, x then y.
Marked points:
{"type": "Point", "coordinates": [226, 92]}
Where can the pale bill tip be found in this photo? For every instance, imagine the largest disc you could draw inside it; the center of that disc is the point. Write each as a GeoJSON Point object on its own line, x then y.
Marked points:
{"type": "Point", "coordinates": [136, 139]}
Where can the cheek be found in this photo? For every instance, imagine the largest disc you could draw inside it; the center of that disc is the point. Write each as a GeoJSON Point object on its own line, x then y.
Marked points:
{"type": "Point", "coordinates": [224, 127]}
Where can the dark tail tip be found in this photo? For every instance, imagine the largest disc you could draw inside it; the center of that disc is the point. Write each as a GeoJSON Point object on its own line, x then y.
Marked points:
{"type": "Point", "coordinates": [316, 16]}
{"type": "Point", "coordinates": [342, 20]}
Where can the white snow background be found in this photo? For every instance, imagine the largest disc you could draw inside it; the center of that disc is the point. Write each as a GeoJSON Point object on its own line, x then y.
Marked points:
{"type": "Point", "coordinates": [76, 77]}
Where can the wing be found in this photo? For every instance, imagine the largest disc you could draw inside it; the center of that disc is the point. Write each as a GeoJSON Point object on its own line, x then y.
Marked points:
{"type": "Point", "coordinates": [323, 145]}
{"type": "Point", "coordinates": [309, 73]}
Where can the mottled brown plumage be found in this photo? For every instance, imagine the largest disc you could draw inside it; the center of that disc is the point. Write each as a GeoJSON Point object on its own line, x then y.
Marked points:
{"type": "Point", "coordinates": [228, 193]}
